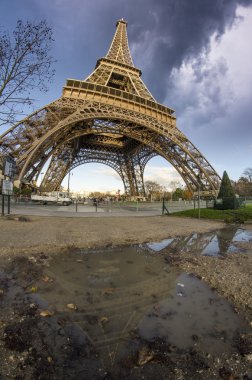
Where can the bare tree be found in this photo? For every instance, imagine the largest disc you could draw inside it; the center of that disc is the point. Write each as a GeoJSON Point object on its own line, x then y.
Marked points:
{"type": "Point", "coordinates": [248, 174]}
{"type": "Point", "coordinates": [243, 186]}
{"type": "Point", "coordinates": [173, 186]}
{"type": "Point", "coordinates": [25, 65]}
{"type": "Point", "coordinates": [153, 189]}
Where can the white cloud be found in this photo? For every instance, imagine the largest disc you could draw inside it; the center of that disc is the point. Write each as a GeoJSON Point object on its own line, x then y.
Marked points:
{"type": "Point", "coordinates": [163, 176]}
{"type": "Point", "coordinates": [202, 91]}
{"type": "Point", "coordinates": [212, 86]}
{"type": "Point", "coordinates": [94, 177]}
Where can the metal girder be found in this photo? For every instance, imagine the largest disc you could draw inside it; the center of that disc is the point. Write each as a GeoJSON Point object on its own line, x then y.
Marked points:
{"type": "Point", "coordinates": [111, 117]}
{"type": "Point", "coordinates": [67, 157]}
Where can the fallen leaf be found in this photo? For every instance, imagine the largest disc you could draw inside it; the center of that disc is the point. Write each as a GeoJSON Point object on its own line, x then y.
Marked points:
{"type": "Point", "coordinates": [104, 320]}
{"type": "Point", "coordinates": [71, 306]}
{"type": "Point", "coordinates": [47, 279]}
{"type": "Point", "coordinates": [49, 359]}
{"type": "Point", "coordinates": [46, 313]}
{"type": "Point", "coordinates": [248, 357]}
{"type": "Point", "coordinates": [108, 291]}
{"type": "Point", "coordinates": [1, 292]}
{"type": "Point", "coordinates": [32, 258]}
{"type": "Point", "coordinates": [34, 289]}
{"type": "Point", "coordinates": [144, 356]}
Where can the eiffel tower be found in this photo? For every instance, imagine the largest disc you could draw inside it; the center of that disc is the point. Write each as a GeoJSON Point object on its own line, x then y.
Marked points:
{"type": "Point", "coordinates": [110, 118]}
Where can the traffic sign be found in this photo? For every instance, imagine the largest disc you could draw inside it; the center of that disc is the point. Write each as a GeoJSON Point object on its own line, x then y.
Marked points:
{"type": "Point", "coordinates": [7, 187]}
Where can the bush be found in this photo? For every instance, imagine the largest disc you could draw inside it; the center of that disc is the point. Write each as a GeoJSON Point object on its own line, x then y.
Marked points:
{"type": "Point", "coordinates": [226, 203]}
{"type": "Point", "coordinates": [226, 199]}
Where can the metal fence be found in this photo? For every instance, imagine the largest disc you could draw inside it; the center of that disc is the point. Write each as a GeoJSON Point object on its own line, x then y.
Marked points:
{"type": "Point", "coordinates": [24, 205]}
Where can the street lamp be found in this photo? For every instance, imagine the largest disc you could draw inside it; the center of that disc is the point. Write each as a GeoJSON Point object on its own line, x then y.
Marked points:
{"type": "Point", "coordinates": [68, 186]}
{"type": "Point", "coordinates": [198, 183]}
{"type": "Point", "coordinates": [41, 180]}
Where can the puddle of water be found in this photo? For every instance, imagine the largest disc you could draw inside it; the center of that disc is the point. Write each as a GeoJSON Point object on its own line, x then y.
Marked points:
{"type": "Point", "coordinates": [112, 289]}
{"type": "Point", "coordinates": [243, 236]}
{"type": "Point", "coordinates": [216, 243]}
{"type": "Point", "coordinates": [158, 246]}
{"type": "Point", "coordinates": [192, 315]}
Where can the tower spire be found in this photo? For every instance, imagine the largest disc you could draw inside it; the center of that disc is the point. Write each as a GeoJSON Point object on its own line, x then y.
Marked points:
{"type": "Point", "coordinates": [119, 48]}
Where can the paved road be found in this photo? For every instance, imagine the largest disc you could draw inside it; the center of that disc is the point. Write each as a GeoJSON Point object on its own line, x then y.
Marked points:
{"type": "Point", "coordinates": [82, 211]}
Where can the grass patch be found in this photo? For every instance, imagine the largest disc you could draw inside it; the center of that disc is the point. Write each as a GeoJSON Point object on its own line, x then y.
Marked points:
{"type": "Point", "coordinates": [230, 216]}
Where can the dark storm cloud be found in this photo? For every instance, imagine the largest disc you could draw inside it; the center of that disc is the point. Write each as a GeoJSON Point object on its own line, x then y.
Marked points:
{"type": "Point", "coordinates": [175, 31]}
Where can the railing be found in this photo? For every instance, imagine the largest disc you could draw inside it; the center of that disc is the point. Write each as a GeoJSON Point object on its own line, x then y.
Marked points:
{"type": "Point", "coordinates": [73, 83]}
{"type": "Point", "coordinates": [169, 207]}
{"type": "Point", "coordinates": [24, 205]}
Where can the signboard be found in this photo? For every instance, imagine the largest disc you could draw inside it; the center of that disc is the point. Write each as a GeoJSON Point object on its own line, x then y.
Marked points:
{"type": "Point", "coordinates": [7, 187]}
{"type": "Point", "coordinates": [206, 193]}
{"type": "Point", "coordinates": [9, 167]}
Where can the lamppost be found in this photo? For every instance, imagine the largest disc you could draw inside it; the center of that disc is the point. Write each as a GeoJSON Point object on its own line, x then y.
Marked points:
{"type": "Point", "coordinates": [68, 186]}
{"type": "Point", "coordinates": [198, 180]}
{"type": "Point", "coordinates": [41, 181]}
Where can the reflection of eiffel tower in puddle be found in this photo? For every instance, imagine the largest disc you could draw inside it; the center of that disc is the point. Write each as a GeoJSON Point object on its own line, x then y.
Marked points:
{"type": "Point", "coordinates": [210, 243]}
{"type": "Point", "coordinates": [112, 308]}
{"type": "Point", "coordinates": [121, 313]}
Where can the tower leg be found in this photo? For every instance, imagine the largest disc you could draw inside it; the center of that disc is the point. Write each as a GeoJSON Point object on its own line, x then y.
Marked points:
{"type": "Point", "coordinates": [132, 175]}
{"type": "Point", "coordinates": [57, 170]}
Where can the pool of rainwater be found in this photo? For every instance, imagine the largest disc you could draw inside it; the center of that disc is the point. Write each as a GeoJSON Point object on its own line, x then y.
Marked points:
{"type": "Point", "coordinates": [214, 243]}
{"type": "Point", "coordinates": [107, 313]}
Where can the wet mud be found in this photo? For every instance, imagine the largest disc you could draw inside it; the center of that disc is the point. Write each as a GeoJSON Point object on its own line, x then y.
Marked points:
{"type": "Point", "coordinates": [125, 312]}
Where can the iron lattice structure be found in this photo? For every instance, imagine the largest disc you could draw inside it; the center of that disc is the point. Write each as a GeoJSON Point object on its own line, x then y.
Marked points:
{"type": "Point", "coordinates": [111, 118]}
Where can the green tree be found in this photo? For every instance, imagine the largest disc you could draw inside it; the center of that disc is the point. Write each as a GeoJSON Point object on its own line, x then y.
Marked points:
{"type": "Point", "coordinates": [25, 65]}
{"type": "Point", "coordinates": [16, 190]}
{"type": "Point", "coordinates": [226, 194]}
{"type": "Point", "coordinates": [26, 191]}
{"type": "Point", "coordinates": [178, 194]}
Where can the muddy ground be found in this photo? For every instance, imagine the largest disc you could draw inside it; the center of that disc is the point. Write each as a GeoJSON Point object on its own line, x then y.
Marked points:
{"type": "Point", "coordinates": [23, 238]}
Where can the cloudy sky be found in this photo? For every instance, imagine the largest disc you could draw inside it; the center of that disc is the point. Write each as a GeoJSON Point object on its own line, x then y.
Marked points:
{"type": "Point", "coordinates": [195, 56]}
